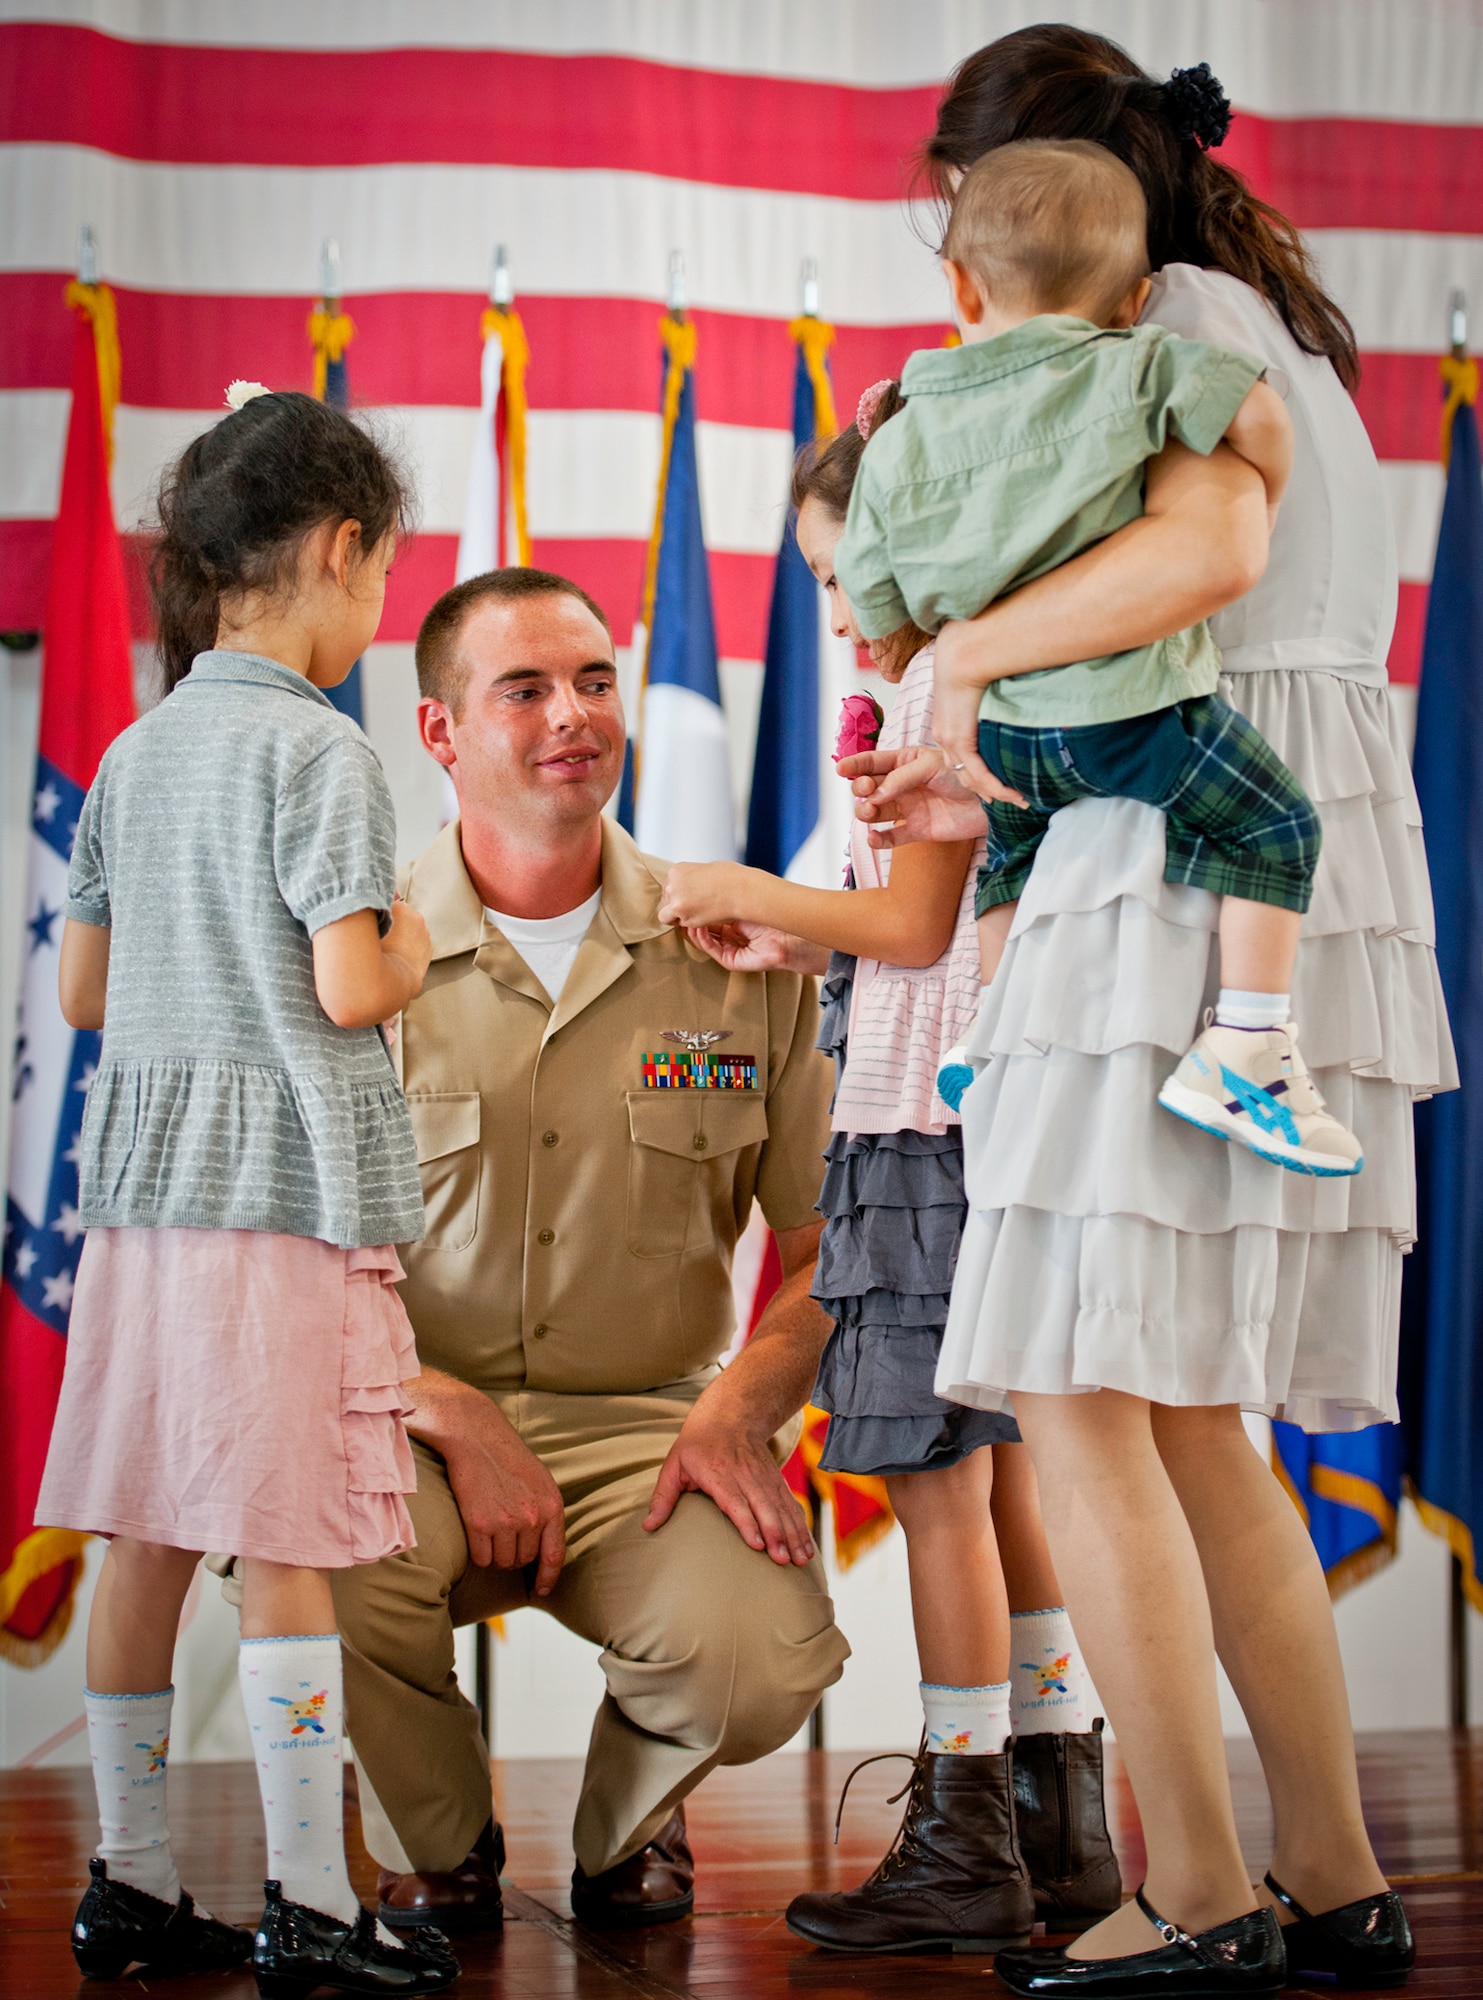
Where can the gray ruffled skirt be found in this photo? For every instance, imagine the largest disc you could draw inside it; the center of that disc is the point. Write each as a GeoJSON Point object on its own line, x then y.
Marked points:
{"type": "Point", "coordinates": [893, 1209]}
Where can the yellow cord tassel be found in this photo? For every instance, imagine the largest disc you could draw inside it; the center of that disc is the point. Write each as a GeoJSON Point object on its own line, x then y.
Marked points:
{"type": "Point", "coordinates": [330, 334]}
{"type": "Point", "coordinates": [816, 337]}
{"type": "Point", "coordinates": [1460, 373]}
{"type": "Point", "coordinates": [96, 302]}
{"type": "Point", "coordinates": [678, 336]}
{"type": "Point", "coordinates": [515, 349]}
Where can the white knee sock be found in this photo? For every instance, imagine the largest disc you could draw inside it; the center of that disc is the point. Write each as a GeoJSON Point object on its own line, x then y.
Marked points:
{"type": "Point", "coordinates": [1052, 1689]}
{"type": "Point", "coordinates": [966, 1722]}
{"type": "Point", "coordinates": [129, 1736]}
{"type": "Point", "coordinates": [1236, 1008]}
{"type": "Point", "coordinates": [292, 1692]}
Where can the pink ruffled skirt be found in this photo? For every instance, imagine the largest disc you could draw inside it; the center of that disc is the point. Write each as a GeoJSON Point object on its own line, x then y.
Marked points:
{"type": "Point", "coordinates": [238, 1390]}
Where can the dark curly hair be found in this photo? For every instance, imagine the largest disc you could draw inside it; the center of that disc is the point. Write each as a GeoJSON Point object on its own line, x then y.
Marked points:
{"type": "Point", "coordinates": [1056, 82]}
{"type": "Point", "coordinates": [235, 507]}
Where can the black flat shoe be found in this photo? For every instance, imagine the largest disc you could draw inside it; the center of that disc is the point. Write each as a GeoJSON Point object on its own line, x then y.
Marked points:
{"type": "Point", "coordinates": [1368, 1943]}
{"type": "Point", "coordinates": [1242, 1957]}
{"type": "Point", "coordinates": [117, 1926]}
{"type": "Point", "coordinates": [298, 1949]}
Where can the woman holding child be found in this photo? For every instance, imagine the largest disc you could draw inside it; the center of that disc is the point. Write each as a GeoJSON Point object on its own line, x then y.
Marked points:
{"type": "Point", "coordinates": [1109, 1246]}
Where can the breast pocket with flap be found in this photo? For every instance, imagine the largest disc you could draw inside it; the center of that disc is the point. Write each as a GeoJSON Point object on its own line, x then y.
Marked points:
{"type": "Point", "coordinates": [446, 1129]}
{"type": "Point", "coordinates": [683, 1143]}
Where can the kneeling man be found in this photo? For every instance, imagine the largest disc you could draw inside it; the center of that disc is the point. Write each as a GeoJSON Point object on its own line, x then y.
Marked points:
{"type": "Point", "coordinates": [596, 1103]}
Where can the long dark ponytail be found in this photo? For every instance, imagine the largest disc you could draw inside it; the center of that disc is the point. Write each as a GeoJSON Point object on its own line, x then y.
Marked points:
{"type": "Point", "coordinates": [1056, 82]}
{"type": "Point", "coordinates": [237, 504]}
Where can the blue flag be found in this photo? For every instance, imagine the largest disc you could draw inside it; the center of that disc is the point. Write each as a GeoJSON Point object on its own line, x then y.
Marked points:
{"type": "Point", "coordinates": [1442, 1297]}
{"type": "Point", "coordinates": [346, 697]}
{"type": "Point", "coordinates": [682, 809]}
{"type": "Point", "coordinates": [784, 807]}
{"type": "Point", "coordinates": [1347, 1487]}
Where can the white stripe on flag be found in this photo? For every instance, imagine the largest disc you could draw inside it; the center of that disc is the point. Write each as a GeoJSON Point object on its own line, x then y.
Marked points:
{"type": "Point", "coordinates": [684, 792]}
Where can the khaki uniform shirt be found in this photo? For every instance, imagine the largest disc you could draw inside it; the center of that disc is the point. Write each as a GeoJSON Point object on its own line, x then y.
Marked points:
{"type": "Point", "coordinates": [580, 1227]}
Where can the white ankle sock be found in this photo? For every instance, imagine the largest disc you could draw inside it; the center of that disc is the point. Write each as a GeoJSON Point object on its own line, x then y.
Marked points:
{"type": "Point", "coordinates": [129, 1736]}
{"type": "Point", "coordinates": [1236, 1008]}
{"type": "Point", "coordinates": [1052, 1689]}
{"type": "Point", "coordinates": [966, 1722]}
{"type": "Point", "coordinates": [293, 1694]}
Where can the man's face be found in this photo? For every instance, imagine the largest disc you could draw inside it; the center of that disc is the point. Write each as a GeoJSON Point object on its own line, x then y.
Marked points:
{"type": "Point", "coordinates": [540, 733]}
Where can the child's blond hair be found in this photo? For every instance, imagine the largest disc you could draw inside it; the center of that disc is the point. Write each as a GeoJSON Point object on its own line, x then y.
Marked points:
{"type": "Point", "coordinates": [1050, 224]}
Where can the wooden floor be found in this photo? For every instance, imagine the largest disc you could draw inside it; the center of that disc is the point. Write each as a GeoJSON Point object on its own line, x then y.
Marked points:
{"type": "Point", "coordinates": [760, 1835]}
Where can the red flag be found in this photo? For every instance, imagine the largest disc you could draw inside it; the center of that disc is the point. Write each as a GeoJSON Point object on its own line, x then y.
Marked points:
{"type": "Point", "coordinates": [87, 697]}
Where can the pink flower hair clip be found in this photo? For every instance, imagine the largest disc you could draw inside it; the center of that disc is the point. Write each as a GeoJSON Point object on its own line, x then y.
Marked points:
{"type": "Point", "coordinates": [869, 403]}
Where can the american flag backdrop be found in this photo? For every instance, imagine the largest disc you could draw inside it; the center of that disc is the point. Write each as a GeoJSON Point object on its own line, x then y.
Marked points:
{"type": "Point", "coordinates": [214, 146]}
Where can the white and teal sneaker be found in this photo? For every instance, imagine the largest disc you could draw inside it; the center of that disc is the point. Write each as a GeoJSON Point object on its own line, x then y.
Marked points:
{"type": "Point", "coordinates": [1252, 1086]}
{"type": "Point", "coordinates": [958, 1071]}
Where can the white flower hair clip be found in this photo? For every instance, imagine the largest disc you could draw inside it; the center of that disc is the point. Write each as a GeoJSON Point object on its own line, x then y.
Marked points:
{"type": "Point", "coordinates": [241, 393]}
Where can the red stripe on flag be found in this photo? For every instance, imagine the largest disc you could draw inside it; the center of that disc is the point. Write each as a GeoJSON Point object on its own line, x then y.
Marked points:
{"type": "Point", "coordinates": [1404, 664]}
{"type": "Point", "coordinates": [310, 107]}
{"type": "Point", "coordinates": [31, 1362]}
{"type": "Point", "coordinates": [25, 560]}
{"type": "Point", "coordinates": [1400, 399]}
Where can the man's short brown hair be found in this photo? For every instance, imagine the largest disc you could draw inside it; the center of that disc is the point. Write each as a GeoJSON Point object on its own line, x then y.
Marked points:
{"type": "Point", "coordinates": [441, 676]}
{"type": "Point", "coordinates": [1049, 224]}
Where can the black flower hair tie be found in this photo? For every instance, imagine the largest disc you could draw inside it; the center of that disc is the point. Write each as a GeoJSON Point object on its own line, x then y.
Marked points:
{"type": "Point", "coordinates": [1197, 107]}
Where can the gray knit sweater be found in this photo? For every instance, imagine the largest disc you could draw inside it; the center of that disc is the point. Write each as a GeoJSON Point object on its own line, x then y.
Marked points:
{"type": "Point", "coordinates": [222, 830]}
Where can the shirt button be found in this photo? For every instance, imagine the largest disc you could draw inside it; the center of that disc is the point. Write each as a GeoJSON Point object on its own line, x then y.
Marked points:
{"type": "Point", "coordinates": [548, 1138]}
{"type": "Point", "coordinates": [547, 1236]}
{"type": "Point", "coordinates": [540, 1332]}
{"type": "Point", "coordinates": [699, 1142]}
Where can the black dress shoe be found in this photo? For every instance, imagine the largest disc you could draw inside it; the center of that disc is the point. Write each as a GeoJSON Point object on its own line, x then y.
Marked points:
{"type": "Point", "coordinates": [117, 1926]}
{"type": "Point", "coordinates": [1367, 1943]}
{"type": "Point", "coordinates": [462, 1899]}
{"type": "Point", "coordinates": [298, 1949]}
{"type": "Point", "coordinates": [654, 1886]}
{"type": "Point", "coordinates": [1242, 1957]}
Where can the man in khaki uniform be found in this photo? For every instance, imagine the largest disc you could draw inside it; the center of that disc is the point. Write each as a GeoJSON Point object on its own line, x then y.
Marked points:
{"type": "Point", "coordinates": [576, 1445]}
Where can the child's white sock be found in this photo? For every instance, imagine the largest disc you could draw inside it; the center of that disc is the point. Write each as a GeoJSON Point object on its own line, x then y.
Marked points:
{"type": "Point", "coordinates": [293, 1694]}
{"type": "Point", "coordinates": [966, 1722]}
{"type": "Point", "coordinates": [129, 1736]}
{"type": "Point", "coordinates": [1052, 1689]}
{"type": "Point", "coordinates": [1236, 1008]}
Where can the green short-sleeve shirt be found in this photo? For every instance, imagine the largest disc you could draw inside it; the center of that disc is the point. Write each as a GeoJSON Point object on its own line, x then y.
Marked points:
{"type": "Point", "coordinates": [1011, 457]}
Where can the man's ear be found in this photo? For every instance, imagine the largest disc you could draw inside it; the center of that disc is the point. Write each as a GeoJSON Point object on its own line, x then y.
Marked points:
{"type": "Point", "coordinates": [969, 299]}
{"type": "Point", "coordinates": [435, 727]}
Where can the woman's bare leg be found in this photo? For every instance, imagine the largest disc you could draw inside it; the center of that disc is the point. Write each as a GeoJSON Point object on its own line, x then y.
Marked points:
{"type": "Point", "coordinates": [1029, 1574]}
{"type": "Point", "coordinates": [958, 1604]}
{"type": "Point", "coordinates": [1134, 1588]}
{"type": "Point", "coordinates": [1274, 1631]}
{"type": "Point", "coordinates": [136, 1615]}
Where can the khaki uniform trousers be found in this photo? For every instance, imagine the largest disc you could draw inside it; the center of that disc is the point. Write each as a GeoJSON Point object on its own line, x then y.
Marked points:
{"type": "Point", "coordinates": [713, 1653]}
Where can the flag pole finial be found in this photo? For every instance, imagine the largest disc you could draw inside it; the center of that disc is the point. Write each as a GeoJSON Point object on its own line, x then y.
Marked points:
{"type": "Point", "coordinates": [677, 297]}
{"type": "Point", "coordinates": [87, 255]}
{"type": "Point", "coordinates": [329, 271]}
{"type": "Point", "coordinates": [810, 288]}
{"type": "Point", "coordinates": [501, 281]}
{"type": "Point", "coordinates": [1457, 325]}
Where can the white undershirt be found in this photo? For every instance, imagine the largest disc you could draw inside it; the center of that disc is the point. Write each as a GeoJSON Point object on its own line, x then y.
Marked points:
{"type": "Point", "coordinates": [549, 945]}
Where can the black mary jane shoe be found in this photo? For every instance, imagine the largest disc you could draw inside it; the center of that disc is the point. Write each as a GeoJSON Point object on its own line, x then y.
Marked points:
{"type": "Point", "coordinates": [1242, 1957]}
{"type": "Point", "coordinates": [1365, 1944]}
{"type": "Point", "coordinates": [297, 1950]}
{"type": "Point", "coordinates": [118, 1925]}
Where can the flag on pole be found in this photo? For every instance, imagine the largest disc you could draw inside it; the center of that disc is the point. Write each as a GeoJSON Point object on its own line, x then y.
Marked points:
{"type": "Point", "coordinates": [495, 531]}
{"type": "Point", "coordinates": [1347, 1487]}
{"type": "Point", "coordinates": [676, 797]}
{"type": "Point", "coordinates": [331, 331]}
{"type": "Point", "coordinates": [787, 767]}
{"type": "Point", "coordinates": [87, 697]}
{"type": "Point", "coordinates": [1442, 1294]}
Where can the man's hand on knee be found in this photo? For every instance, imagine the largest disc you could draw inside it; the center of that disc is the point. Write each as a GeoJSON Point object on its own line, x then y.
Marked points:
{"type": "Point", "coordinates": [741, 1476]}
{"type": "Point", "coordinates": [511, 1506]}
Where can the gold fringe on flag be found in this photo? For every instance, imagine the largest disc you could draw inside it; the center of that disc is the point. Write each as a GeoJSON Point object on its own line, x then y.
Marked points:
{"type": "Point", "coordinates": [96, 303]}
{"type": "Point", "coordinates": [678, 338]}
{"type": "Point", "coordinates": [42, 1551]}
{"type": "Point", "coordinates": [816, 336]}
{"type": "Point", "coordinates": [329, 334]}
{"type": "Point", "coordinates": [515, 348]}
{"type": "Point", "coordinates": [1460, 373]}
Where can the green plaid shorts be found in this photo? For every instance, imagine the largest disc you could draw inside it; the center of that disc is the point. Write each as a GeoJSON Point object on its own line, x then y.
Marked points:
{"type": "Point", "coordinates": [1238, 821]}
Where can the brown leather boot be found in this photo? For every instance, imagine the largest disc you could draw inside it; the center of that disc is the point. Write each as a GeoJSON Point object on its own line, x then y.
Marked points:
{"type": "Point", "coordinates": [654, 1886]}
{"type": "Point", "coordinates": [954, 1879]}
{"type": "Point", "coordinates": [466, 1898]}
{"type": "Point", "coordinates": [1062, 1820]}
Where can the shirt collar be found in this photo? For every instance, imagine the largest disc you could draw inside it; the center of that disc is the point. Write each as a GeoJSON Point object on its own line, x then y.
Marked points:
{"type": "Point", "coordinates": [220, 665]}
{"type": "Point", "coordinates": [936, 371]}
